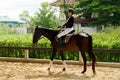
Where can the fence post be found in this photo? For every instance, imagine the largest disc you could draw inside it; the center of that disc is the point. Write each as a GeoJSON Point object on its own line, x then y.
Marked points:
{"type": "Point", "coordinates": [26, 54]}
{"type": "Point", "coordinates": [80, 58]}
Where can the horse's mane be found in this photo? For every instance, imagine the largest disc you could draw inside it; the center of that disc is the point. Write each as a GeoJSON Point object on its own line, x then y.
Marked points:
{"type": "Point", "coordinates": [48, 29]}
{"type": "Point", "coordinates": [53, 32]}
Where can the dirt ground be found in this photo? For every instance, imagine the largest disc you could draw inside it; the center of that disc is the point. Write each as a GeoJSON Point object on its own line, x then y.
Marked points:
{"type": "Point", "coordinates": [37, 71]}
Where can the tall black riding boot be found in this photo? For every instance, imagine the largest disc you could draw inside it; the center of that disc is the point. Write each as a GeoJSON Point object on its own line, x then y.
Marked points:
{"type": "Point", "coordinates": [60, 43]}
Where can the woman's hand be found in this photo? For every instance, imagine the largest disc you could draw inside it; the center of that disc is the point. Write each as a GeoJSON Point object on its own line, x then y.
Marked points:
{"type": "Point", "coordinates": [59, 27]}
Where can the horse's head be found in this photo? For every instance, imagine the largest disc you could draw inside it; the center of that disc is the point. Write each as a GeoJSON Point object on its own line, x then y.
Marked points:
{"type": "Point", "coordinates": [36, 36]}
{"type": "Point", "coordinates": [48, 33]}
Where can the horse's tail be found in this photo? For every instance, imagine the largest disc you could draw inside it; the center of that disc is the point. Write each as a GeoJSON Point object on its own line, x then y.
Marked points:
{"type": "Point", "coordinates": [91, 48]}
{"type": "Point", "coordinates": [90, 42]}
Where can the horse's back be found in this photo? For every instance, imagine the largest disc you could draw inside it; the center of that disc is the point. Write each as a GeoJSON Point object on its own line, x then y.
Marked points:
{"type": "Point", "coordinates": [78, 41]}
{"type": "Point", "coordinates": [83, 34]}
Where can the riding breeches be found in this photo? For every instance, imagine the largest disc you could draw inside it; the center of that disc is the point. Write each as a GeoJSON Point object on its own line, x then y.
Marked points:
{"type": "Point", "coordinates": [64, 32]}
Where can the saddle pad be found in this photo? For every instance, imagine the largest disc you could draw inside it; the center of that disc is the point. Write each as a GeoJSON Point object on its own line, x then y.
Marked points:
{"type": "Point", "coordinates": [83, 34]}
{"type": "Point", "coordinates": [67, 37]}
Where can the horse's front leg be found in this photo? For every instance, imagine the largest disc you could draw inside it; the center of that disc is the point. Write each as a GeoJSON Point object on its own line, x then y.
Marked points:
{"type": "Point", "coordinates": [52, 57]}
{"type": "Point", "coordinates": [63, 59]}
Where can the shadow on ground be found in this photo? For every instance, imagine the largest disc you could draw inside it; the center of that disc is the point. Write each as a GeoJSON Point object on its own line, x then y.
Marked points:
{"type": "Point", "coordinates": [61, 75]}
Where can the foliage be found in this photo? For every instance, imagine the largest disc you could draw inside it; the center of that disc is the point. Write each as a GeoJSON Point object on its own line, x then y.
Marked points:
{"type": "Point", "coordinates": [21, 40]}
{"type": "Point", "coordinates": [26, 40]}
{"type": "Point", "coordinates": [101, 40]}
{"type": "Point", "coordinates": [45, 16]}
{"type": "Point", "coordinates": [4, 30]}
{"type": "Point", "coordinates": [104, 11]}
{"type": "Point", "coordinates": [109, 39]}
{"type": "Point", "coordinates": [24, 16]}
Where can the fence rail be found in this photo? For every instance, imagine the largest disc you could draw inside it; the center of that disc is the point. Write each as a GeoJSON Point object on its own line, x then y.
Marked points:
{"type": "Point", "coordinates": [30, 48]}
{"type": "Point", "coordinates": [107, 50]}
{"type": "Point", "coordinates": [37, 48]}
{"type": "Point", "coordinates": [26, 58]}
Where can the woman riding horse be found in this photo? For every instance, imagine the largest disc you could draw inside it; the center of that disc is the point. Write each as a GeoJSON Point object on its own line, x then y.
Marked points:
{"type": "Point", "coordinates": [80, 41]}
{"type": "Point", "coordinates": [67, 27]}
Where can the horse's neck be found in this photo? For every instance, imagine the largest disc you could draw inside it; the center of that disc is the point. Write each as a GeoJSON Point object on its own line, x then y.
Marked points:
{"type": "Point", "coordinates": [48, 34]}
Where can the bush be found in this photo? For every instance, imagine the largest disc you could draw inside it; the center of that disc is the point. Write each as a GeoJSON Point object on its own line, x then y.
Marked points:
{"type": "Point", "coordinates": [107, 39]}
{"type": "Point", "coordinates": [21, 40]}
{"type": "Point", "coordinates": [4, 30]}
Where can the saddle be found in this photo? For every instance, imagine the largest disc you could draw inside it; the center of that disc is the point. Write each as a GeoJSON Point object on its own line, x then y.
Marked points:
{"type": "Point", "coordinates": [65, 39]}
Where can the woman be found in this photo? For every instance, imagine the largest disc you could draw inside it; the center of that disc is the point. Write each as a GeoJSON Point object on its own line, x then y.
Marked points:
{"type": "Point", "coordinates": [68, 26]}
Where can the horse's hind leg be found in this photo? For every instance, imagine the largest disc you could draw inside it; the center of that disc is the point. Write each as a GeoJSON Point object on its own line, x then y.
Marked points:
{"type": "Point", "coordinates": [52, 57]}
{"type": "Point", "coordinates": [92, 56]}
{"type": "Point", "coordinates": [84, 60]}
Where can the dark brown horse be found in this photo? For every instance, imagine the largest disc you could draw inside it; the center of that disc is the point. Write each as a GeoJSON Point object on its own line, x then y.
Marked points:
{"type": "Point", "coordinates": [80, 41]}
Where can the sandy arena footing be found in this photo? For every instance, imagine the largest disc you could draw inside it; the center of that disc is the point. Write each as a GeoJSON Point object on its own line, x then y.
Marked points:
{"type": "Point", "coordinates": [37, 71]}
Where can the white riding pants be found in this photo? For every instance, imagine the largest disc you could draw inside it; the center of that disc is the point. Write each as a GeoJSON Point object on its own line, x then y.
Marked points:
{"type": "Point", "coordinates": [64, 32]}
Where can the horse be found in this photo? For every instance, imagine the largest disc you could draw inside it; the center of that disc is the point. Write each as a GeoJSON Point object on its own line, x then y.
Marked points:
{"type": "Point", "coordinates": [79, 41]}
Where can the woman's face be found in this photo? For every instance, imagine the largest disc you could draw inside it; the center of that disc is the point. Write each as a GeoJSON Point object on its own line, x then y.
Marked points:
{"type": "Point", "coordinates": [69, 14]}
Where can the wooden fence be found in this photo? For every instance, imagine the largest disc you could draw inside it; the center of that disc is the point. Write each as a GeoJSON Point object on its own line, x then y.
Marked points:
{"type": "Point", "coordinates": [27, 59]}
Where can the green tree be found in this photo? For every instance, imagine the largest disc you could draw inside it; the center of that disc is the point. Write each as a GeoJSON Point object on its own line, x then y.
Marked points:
{"type": "Point", "coordinates": [24, 16]}
{"type": "Point", "coordinates": [45, 16]}
{"type": "Point", "coordinates": [104, 12]}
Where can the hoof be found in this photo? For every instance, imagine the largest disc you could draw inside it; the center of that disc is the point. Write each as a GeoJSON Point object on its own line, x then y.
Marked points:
{"type": "Point", "coordinates": [83, 72]}
{"type": "Point", "coordinates": [94, 73]}
{"type": "Point", "coordinates": [48, 69]}
{"type": "Point", "coordinates": [63, 69]}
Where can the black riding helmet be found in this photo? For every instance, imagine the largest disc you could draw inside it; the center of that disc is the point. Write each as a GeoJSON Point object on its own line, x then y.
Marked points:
{"type": "Point", "coordinates": [71, 10]}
